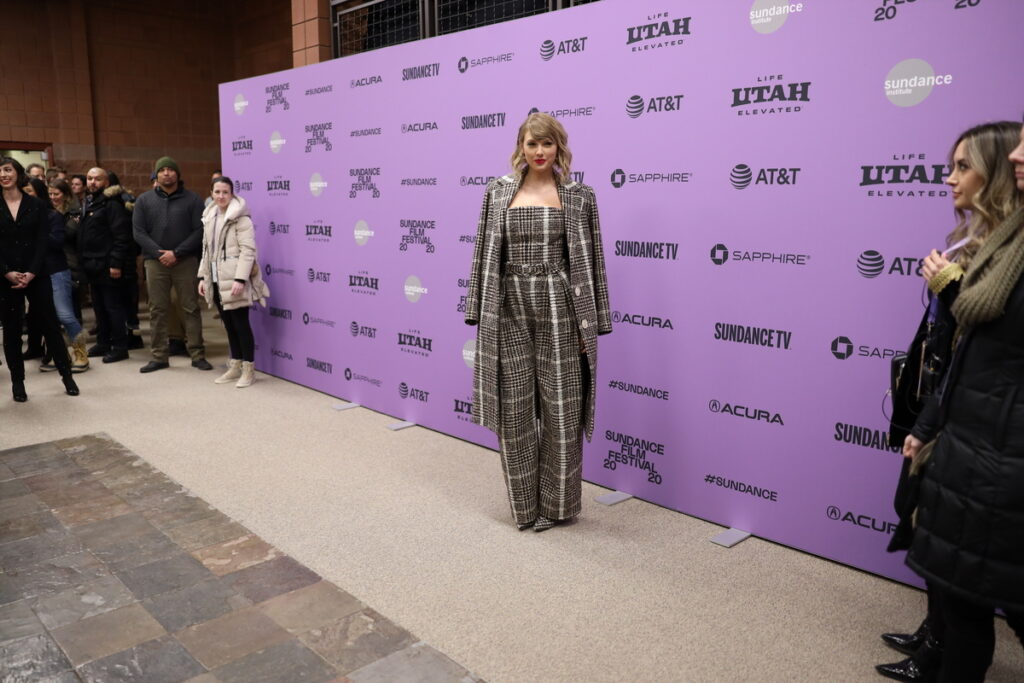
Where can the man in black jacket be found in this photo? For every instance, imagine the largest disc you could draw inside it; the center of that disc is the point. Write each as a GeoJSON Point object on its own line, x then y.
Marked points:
{"type": "Point", "coordinates": [104, 251]}
{"type": "Point", "coordinates": [168, 225]}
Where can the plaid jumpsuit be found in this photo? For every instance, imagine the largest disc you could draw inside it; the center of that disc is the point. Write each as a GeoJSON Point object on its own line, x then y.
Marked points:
{"type": "Point", "coordinates": [540, 376]}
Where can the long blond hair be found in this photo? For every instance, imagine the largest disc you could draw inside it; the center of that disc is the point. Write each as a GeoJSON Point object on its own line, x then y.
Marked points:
{"type": "Point", "coordinates": [987, 148]}
{"type": "Point", "coordinates": [544, 127]}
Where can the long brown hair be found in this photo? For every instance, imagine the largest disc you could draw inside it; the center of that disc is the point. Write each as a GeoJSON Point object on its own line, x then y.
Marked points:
{"type": "Point", "coordinates": [65, 190]}
{"type": "Point", "coordinates": [987, 148]}
{"type": "Point", "coordinates": [544, 127]}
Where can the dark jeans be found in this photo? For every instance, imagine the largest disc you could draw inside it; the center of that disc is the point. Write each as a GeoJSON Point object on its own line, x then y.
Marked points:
{"type": "Point", "coordinates": [108, 303]}
{"type": "Point", "coordinates": [39, 295]}
{"type": "Point", "coordinates": [236, 322]}
{"type": "Point", "coordinates": [971, 639]}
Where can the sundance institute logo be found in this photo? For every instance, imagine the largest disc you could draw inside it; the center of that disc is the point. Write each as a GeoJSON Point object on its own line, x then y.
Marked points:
{"type": "Point", "coordinates": [842, 348]}
{"type": "Point", "coordinates": [362, 232]}
{"type": "Point", "coordinates": [276, 142]}
{"type": "Point", "coordinates": [719, 254]}
{"type": "Point", "coordinates": [618, 178]}
{"type": "Point", "coordinates": [469, 353]}
{"type": "Point", "coordinates": [741, 176]}
{"type": "Point", "coordinates": [547, 50]}
{"type": "Point", "coordinates": [910, 82]}
{"type": "Point", "coordinates": [414, 289]}
{"type": "Point", "coordinates": [870, 264]}
{"type": "Point", "coordinates": [317, 184]}
{"type": "Point", "coordinates": [240, 104]}
{"type": "Point", "coordinates": [768, 16]}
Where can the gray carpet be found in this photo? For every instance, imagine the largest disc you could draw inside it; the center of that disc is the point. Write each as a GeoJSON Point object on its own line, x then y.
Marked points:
{"type": "Point", "coordinates": [416, 524]}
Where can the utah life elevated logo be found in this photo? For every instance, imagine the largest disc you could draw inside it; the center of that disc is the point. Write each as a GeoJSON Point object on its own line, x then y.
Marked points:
{"type": "Point", "coordinates": [279, 186]}
{"type": "Point", "coordinates": [638, 105]}
{"type": "Point", "coordinates": [742, 176]}
{"type": "Point", "coordinates": [659, 31]}
{"type": "Point", "coordinates": [905, 169]}
{"type": "Point", "coordinates": [771, 95]}
{"type": "Point", "coordinates": [413, 341]}
{"type": "Point", "coordinates": [318, 136]}
{"type": "Point", "coordinates": [550, 49]}
{"type": "Point", "coordinates": [275, 96]}
{"type": "Point", "coordinates": [364, 180]}
{"type": "Point", "coordinates": [319, 231]}
{"type": "Point", "coordinates": [362, 282]}
{"type": "Point", "coordinates": [242, 147]}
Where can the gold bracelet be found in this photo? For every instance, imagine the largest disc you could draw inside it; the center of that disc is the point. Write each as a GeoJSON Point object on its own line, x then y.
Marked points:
{"type": "Point", "coordinates": [950, 273]}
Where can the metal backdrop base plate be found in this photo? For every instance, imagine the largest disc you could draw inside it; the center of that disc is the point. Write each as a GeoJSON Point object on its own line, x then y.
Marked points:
{"type": "Point", "coordinates": [395, 426]}
{"type": "Point", "coordinates": [345, 406]}
{"type": "Point", "coordinates": [730, 537]}
{"type": "Point", "coordinates": [613, 497]}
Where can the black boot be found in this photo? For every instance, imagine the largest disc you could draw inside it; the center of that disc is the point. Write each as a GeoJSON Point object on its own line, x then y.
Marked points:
{"type": "Point", "coordinates": [908, 643]}
{"type": "Point", "coordinates": [921, 666]}
{"type": "Point", "coordinates": [18, 389]}
{"type": "Point", "coordinates": [70, 388]}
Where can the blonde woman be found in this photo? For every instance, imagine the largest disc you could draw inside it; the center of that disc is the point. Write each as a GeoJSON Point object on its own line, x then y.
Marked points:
{"type": "Point", "coordinates": [539, 294]}
{"type": "Point", "coordinates": [227, 278]}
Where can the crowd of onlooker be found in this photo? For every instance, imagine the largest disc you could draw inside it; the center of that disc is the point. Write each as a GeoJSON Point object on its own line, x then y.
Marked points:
{"type": "Point", "coordinates": [69, 241]}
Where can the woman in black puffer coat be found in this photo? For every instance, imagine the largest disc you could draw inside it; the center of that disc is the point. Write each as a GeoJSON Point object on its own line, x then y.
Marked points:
{"type": "Point", "coordinates": [969, 541]}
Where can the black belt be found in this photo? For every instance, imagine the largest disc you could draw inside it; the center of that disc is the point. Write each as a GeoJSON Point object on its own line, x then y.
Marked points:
{"type": "Point", "coordinates": [534, 268]}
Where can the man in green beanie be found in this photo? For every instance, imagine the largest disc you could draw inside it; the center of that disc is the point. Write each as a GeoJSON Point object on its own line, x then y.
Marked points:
{"type": "Point", "coordinates": [168, 226]}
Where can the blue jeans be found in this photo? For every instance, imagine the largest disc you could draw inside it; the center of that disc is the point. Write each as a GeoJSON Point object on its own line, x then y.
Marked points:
{"type": "Point", "coordinates": [62, 302]}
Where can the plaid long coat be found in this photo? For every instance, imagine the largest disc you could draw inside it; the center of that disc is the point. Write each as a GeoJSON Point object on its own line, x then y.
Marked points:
{"type": "Point", "coordinates": [587, 280]}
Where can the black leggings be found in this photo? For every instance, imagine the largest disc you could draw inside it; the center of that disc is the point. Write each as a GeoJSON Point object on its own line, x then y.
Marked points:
{"type": "Point", "coordinates": [39, 294]}
{"type": "Point", "coordinates": [236, 322]}
{"type": "Point", "coordinates": [971, 639]}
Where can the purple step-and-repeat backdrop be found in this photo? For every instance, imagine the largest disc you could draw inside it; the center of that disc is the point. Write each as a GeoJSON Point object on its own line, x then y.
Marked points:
{"type": "Point", "coordinates": [769, 175]}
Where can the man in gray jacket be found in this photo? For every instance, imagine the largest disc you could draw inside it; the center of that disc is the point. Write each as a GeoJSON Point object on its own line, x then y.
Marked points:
{"type": "Point", "coordinates": [168, 225]}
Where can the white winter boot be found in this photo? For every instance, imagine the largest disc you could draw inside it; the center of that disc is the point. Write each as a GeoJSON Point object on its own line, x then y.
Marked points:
{"type": "Point", "coordinates": [233, 373]}
{"type": "Point", "coordinates": [248, 375]}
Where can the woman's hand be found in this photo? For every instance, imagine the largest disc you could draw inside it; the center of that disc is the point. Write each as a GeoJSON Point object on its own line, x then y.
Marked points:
{"type": "Point", "coordinates": [14, 277]}
{"type": "Point", "coordinates": [237, 288]}
{"type": "Point", "coordinates": [27, 278]}
{"type": "Point", "coordinates": [911, 446]}
{"type": "Point", "coordinates": [933, 265]}
{"type": "Point", "coordinates": [202, 288]}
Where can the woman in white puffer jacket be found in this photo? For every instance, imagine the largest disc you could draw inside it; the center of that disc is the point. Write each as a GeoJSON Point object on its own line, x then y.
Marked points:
{"type": "Point", "coordinates": [228, 276]}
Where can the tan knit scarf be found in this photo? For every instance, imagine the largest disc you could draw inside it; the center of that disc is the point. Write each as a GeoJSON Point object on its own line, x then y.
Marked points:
{"type": "Point", "coordinates": [992, 274]}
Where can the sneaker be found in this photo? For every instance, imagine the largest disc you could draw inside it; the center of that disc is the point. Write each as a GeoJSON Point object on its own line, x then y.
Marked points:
{"type": "Point", "coordinates": [202, 364]}
{"type": "Point", "coordinates": [116, 355]}
{"type": "Point", "coordinates": [47, 366]}
{"type": "Point", "coordinates": [153, 366]}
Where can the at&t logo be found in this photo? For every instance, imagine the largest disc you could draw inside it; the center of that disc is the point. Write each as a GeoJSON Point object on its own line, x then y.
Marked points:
{"type": "Point", "coordinates": [318, 275]}
{"type": "Point", "coordinates": [279, 228]}
{"type": "Point", "coordinates": [358, 330]}
{"type": "Point", "coordinates": [637, 105]}
{"type": "Point", "coordinates": [742, 176]}
{"type": "Point", "coordinates": [871, 264]}
{"type": "Point", "coordinates": [549, 48]}
{"type": "Point", "coordinates": [412, 393]}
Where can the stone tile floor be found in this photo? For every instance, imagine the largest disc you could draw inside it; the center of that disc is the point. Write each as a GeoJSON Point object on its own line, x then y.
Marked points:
{"type": "Point", "coordinates": [110, 571]}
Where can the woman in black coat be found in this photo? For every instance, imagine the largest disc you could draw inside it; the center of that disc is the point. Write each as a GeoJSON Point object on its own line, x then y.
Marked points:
{"type": "Point", "coordinates": [969, 541]}
{"type": "Point", "coordinates": [24, 231]}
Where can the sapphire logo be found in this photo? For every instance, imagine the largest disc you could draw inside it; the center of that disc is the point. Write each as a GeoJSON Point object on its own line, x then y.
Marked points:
{"type": "Point", "coordinates": [568, 112]}
{"type": "Point", "coordinates": [842, 348]}
{"type": "Point", "coordinates": [620, 178]}
{"type": "Point", "coordinates": [741, 176]}
{"type": "Point", "coordinates": [305, 318]}
{"type": "Point", "coordinates": [416, 233]}
{"type": "Point", "coordinates": [870, 264]}
{"type": "Point", "coordinates": [266, 270]}
{"type": "Point", "coordinates": [318, 136]}
{"type": "Point", "coordinates": [273, 270]}
{"type": "Point", "coordinates": [719, 254]}
{"type": "Point", "coordinates": [662, 31]}
{"type": "Point", "coordinates": [276, 97]}
{"type": "Point", "coordinates": [279, 228]}
{"type": "Point", "coordinates": [463, 65]}
{"type": "Point", "coordinates": [770, 91]}
{"type": "Point", "coordinates": [547, 50]}
{"type": "Point", "coordinates": [308, 319]}
{"type": "Point", "coordinates": [637, 105]}
{"type": "Point", "coordinates": [364, 180]}
{"type": "Point", "coordinates": [355, 376]}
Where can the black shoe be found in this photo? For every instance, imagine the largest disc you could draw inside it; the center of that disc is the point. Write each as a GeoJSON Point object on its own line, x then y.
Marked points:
{"type": "Point", "coordinates": [923, 665]}
{"type": "Point", "coordinates": [116, 355]}
{"type": "Point", "coordinates": [202, 364]}
{"type": "Point", "coordinates": [543, 523]}
{"type": "Point", "coordinates": [176, 347]}
{"type": "Point", "coordinates": [154, 365]}
{"type": "Point", "coordinates": [135, 341]}
{"type": "Point", "coordinates": [96, 351]}
{"type": "Point", "coordinates": [32, 353]}
{"type": "Point", "coordinates": [18, 389]}
{"type": "Point", "coordinates": [907, 643]}
{"type": "Point", "coordinates": [70, 388]}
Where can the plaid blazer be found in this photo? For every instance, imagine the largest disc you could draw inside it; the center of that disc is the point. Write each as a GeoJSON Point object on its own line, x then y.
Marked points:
{"type": "Point", "coordinates": [587, 281]}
